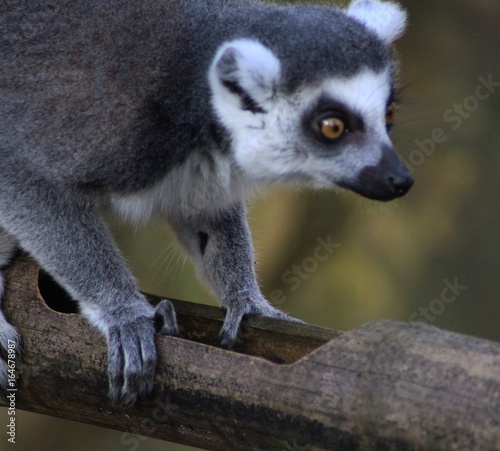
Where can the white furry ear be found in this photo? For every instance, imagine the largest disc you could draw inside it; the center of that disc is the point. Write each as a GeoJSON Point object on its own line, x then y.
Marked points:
{"type": "Point", "coordinates": [386, 19]}
{"type": "Point", "coordinates": [249, 71]}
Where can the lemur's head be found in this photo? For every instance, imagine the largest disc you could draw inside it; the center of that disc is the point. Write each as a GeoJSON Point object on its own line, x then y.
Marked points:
{"type": "Point", "coordinates": [308, 94]}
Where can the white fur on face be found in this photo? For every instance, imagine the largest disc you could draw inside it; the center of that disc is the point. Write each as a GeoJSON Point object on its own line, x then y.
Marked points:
{"type": "Point", "coordinates": [257, 138]}
{"type": "Point", "coordinates": [365, 95]}
{"type": "Point", "coordinates": [271, 147]}
{"type": "Point", "coordinates": [268, 146]}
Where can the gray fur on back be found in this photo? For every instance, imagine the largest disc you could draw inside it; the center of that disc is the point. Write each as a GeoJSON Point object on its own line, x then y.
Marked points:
{"type": "Point", "coordinates": [112, 101]}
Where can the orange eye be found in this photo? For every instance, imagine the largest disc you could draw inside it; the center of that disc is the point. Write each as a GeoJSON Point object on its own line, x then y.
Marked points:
{"type": "Point", "coordinates": [332, 128]}
{"type": "Point", "coordinates": [390, 114]}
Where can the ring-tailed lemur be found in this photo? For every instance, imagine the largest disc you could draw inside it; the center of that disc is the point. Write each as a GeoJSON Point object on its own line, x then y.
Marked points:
{"type": "Point", "coordinates": [177, 108]}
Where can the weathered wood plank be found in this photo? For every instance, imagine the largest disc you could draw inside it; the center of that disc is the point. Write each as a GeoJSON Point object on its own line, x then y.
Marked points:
{"type": "Point", "coordinates": [384, 385]}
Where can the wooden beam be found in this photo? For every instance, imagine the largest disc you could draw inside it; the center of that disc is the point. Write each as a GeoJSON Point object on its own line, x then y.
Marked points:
{"type": "Point", "coordinates": [384, 385]}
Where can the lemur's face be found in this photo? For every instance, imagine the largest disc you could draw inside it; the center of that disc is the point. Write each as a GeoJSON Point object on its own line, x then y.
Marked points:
{"type": "Point", "coordinates": [333, 133]}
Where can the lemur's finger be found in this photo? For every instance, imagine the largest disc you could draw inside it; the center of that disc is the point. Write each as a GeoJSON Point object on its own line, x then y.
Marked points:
{"type": "Point", "coordinates": [115, 365]}
{"type": "Point", "coordinates": [139, 360]}
{"type": "Point", "coordinates": [229, 331]}
{"type": "Point", "coordinates": [165, 319]}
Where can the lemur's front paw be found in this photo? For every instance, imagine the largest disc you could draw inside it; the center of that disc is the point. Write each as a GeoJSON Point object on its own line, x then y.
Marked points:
{"type": "Point", "coordinates": [132, 353]}
{"type": "Point", "coordinates": [238, 310]}
{"type": "Point", "coordinates": [131, 360]}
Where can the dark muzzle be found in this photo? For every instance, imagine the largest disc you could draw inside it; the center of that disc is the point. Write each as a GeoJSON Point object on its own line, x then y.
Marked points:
{"type": "Point", "coordinates": [386, 181]}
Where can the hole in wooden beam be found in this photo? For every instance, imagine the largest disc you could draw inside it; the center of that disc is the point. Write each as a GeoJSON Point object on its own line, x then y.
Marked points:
{"type": "Point", "coordinates": [54, 295]}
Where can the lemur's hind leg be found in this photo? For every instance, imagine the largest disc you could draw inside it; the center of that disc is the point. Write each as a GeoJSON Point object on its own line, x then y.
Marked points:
{"type": "Point", "coordinates": [8, 335]}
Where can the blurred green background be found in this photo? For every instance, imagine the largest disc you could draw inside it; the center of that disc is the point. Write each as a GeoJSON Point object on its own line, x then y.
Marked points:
{"type": "Point", "coordinates": [393, 260]}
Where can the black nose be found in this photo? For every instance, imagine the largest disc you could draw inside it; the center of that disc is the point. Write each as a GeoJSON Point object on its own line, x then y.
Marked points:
{"type": "Point", "coordinates": [400, 183]}
{"type": "Point", "coordinates": [387, 180]}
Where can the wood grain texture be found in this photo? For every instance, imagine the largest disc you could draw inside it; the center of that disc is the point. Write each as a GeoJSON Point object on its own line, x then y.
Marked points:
{"type": "Point", "coordinates": [384, 385]}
